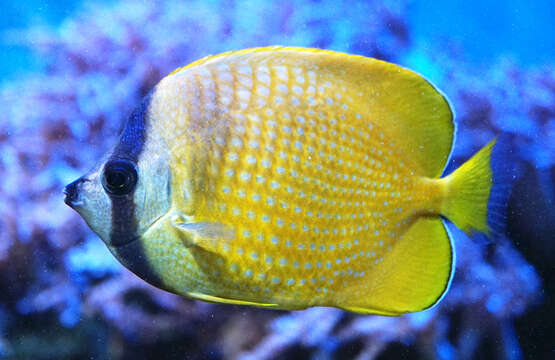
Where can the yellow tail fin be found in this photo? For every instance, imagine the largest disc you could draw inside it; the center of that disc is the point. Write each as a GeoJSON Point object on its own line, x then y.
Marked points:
{"type": "Point", "coordinates": [468, 192]}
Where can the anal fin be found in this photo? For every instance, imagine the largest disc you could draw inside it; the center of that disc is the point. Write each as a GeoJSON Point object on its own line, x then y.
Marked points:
{"type": "Point", "coordinates": [221, 300]}
{"type": "Point", "coordinates": [413, 276]}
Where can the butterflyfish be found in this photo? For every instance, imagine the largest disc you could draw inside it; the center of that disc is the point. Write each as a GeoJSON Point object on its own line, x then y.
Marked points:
{"type": "Point", "coordinates": [287, 178]}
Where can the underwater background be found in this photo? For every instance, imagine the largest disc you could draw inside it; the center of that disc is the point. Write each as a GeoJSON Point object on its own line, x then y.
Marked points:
{"type": "Point", "coordinates": [72, 71]}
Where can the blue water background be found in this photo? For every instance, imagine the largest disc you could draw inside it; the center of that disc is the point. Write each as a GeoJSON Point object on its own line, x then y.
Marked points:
{"type": "Point", "coordinates": [485, 29]}
{"type": "Point", "coordinates": [453, 43]}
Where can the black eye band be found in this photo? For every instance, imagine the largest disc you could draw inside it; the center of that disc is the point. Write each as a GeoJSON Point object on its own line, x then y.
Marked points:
{"type": "Point", "coordinates": [119, 177]}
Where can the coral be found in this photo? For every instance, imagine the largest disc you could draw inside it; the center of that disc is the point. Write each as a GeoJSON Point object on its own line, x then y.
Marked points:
{"type": "Point", "coordinates": [61, 285]}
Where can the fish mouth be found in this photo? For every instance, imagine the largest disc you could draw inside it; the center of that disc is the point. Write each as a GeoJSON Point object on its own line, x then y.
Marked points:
{"type": "Point", "coordinates": [72, 200]}
{"type": "Point", "coordinates": [71, 192]}
{"type": "Point", "coordinates": [68, 197]}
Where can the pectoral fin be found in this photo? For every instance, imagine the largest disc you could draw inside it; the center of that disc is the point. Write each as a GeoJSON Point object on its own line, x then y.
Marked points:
{"type": "Point", "coordinates": [204, 234]}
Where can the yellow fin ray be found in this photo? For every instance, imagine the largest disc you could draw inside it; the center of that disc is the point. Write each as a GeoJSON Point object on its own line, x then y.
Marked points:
{"type": "Point", "coordinates": [468, 192]}
{"type": "Point", "coordinates": [221, 300]}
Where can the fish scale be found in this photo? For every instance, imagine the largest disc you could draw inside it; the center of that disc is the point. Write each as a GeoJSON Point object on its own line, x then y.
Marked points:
{"type": "Point", "coordinates": [311, 221]}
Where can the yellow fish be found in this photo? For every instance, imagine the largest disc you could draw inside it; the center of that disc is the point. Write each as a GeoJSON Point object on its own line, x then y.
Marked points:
{"type": "Point", "coordinates": [287, 178]}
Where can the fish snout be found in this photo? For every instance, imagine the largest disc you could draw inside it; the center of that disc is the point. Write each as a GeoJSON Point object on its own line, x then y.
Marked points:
{"type": "Point", "coordinates": [71, 192]}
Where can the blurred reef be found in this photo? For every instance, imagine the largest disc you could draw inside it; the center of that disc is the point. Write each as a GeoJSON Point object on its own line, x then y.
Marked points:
{"type": "Point", "coordinates": [64, 296]}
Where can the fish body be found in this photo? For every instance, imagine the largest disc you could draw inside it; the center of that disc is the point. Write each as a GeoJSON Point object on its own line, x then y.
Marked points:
{"type": "Point", "coordinates": [289, 178]}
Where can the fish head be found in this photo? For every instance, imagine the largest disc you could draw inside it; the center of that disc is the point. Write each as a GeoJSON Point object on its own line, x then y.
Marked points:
{"type": "Point", "coordinates": [129, 189]}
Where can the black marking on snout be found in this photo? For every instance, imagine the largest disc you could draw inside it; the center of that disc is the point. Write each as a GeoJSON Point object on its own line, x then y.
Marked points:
{"type": "Point", "coordinates": [124, 232]}
{"type": "Point", "coordinates": [71, 191]}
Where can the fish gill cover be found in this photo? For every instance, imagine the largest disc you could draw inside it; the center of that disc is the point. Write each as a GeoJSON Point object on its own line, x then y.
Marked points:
{"type": "Point", "coordinates": [64, 296]}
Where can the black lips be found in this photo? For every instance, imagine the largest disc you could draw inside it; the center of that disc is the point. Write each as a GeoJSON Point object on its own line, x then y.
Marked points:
{"type": "Point", "coordinates": [71, 192]}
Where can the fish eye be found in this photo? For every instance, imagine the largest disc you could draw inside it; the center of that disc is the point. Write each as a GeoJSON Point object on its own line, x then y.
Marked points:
{"type": "Point", "coordinates": [119, 177]}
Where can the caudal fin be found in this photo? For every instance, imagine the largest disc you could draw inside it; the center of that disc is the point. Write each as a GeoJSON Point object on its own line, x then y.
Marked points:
{"type": "Point", "coordinates": [476, 193]}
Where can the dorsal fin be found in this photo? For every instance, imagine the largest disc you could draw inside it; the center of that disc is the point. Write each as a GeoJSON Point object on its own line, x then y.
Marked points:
{"type": "Point", "coordinates": [402, 104]}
